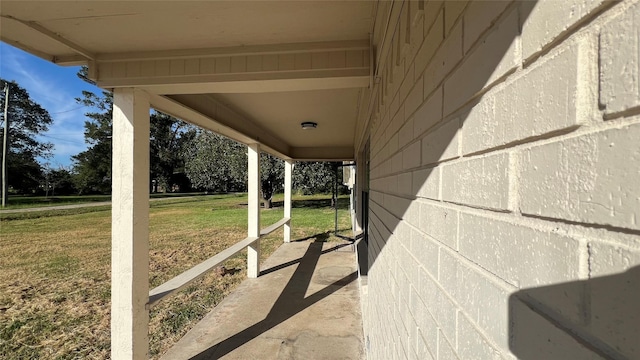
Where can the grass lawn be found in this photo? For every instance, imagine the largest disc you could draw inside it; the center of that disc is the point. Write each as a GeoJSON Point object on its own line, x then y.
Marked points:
{"type": "Point", "coordinates": [21, 202]}
{"type": "Point", "coordinates": [55, 270]}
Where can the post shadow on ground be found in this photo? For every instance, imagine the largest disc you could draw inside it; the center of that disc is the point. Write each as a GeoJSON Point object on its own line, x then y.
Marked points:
{"type": "Point", "coordinates": [589, 319]}
{"type": "Point", "coordinates": [313, 203]}
{"type": "Point", "coordinates": [290, 302]}
{"type": "Point", "coordinates": [321, 237]}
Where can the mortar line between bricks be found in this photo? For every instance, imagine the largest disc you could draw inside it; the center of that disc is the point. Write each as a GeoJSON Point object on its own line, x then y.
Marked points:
{"type": "Point", "coordinates": [489, 275]}
{"type": "Point", "coordinates": [622, 120]}
{"type": "Point", "coordinates": [534, 222]}
{"type": "Point", "coordinates": [611, 228]}
{"type": "Point", "coordinates": [515, 144]}
{"type": "Point", "coordinates": [572, 30]}
{"type": "Point", "coordinates": [534, 141]}
{"type": "Point", "coordinates": [621, 114]}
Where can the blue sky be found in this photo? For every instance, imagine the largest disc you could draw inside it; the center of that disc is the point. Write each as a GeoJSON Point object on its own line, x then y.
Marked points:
{"type": "Point", "coordinates": [55, 89]}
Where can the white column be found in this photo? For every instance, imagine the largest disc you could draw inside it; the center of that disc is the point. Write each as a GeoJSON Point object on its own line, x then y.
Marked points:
{"type": "Point", "coordinates": [359, 187]}
{"type": "Point", "coordinates": [253, 251]}
{"type": "Point", "coordinates": [130, 225]}
{"type": "Point", "coordinates": [288, 168]}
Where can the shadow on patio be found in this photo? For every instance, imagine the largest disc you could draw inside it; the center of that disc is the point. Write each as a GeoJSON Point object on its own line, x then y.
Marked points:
{"type": "Point", "coordinates": [305, 304]}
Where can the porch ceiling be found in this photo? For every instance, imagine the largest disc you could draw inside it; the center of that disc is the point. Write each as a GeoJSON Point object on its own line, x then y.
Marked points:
{"type": "Point", "coordinates": [268, 64]}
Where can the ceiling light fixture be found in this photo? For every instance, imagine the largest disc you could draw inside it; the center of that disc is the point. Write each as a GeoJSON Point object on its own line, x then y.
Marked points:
{"type": "Point", "coordinates": [308, 125]}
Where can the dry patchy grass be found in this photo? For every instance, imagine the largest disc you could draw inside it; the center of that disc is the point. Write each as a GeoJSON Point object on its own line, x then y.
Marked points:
{"type": "Point", "coordinates": [55, 272]}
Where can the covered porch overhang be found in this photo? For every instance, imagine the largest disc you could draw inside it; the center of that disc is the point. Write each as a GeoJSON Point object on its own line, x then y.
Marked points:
{"type": "Point", "coordinates": [251, 71]}
{"type": "Point", "coordinates": [258, 94]}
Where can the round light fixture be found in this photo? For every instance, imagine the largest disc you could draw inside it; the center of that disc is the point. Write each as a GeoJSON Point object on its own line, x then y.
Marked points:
{"type": "Point", "coordinates": [308, 125]}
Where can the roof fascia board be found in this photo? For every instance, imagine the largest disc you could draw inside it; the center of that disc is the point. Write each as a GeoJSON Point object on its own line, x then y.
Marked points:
{"type": "Point", "coordinates": [269, 49]}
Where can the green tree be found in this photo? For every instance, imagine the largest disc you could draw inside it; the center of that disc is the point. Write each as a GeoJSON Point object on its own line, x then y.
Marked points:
{"type": "Point", "coordinates": [92, 167]}
{"type": "Point", "coordinates": [314, 177]}
{"type": "Point", "coordinates": [27, 119]}
{"type": "Point", "coordinates": [271, 177]}
{"type": "Point", "coordinates": [58, 182]}
{"type": "Point", "coordinates": [216, 163]}
{"type": "Point", "coordinates": [168, 138]}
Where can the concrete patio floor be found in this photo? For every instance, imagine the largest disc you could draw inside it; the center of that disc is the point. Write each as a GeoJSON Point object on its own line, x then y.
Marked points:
{"type": "Point", "coordinates": [304, 305]}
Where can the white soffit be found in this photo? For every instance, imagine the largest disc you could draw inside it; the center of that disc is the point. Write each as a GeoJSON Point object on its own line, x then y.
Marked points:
{"type": "Point", "coordinates": [105, 27]}
{"type": "Point", "coordinates": [335, 111]}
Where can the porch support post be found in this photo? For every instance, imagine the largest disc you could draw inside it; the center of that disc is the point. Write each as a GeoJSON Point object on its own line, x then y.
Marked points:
{"type": "Point", "coordinates": [253, 250]}
{"type": "Point", "coordinates": [130, 225]}
{"type": "Point", "coordinates": [359, 188]}
{"type": "Point", "coordinates": [288, 168]}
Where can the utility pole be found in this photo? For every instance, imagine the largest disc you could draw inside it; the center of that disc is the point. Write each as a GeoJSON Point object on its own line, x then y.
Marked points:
{"type": "Point", "coordinates": [5, 145]}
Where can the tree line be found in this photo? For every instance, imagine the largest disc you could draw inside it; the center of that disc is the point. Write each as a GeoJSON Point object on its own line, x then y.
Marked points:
{"type": "Point", "coordinates": [183, 157]}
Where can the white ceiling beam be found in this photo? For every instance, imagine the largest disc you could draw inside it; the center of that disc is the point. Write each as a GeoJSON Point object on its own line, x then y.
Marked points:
{"type": "Point", "coordinates": [214, 120]}
{"type": "Point", "coordinates": [245, 131]}
{"type": "Point", "coordinates": [53, 35]}
{"type": "Point", "coordinates": [70, 60]}
{"type": "Point", "coordinates": [290, 48]}
{"type": "Point", "coordinates": [28, 49]}
{"type": "Point", "coordinates": [258, 83]}
{"type": "Point", "coordinates": [223, 114]}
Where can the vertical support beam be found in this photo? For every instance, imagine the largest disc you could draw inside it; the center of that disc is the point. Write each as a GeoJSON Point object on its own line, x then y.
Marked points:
{"type": "Point", "coordinates": [352, 196]}
{"type": "Point", "coordinates": [359, 188]}
{"type": "Point", "coordinates": [253, 251]}
{"type": "Point", "coordinates": [130, 225]}
{"type": "Point", "coordinates": [288, 168]}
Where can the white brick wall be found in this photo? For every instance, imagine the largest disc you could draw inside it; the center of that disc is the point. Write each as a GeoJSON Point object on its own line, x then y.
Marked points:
{"type": "Point", "coordinates": [426, 183]}
{"type": "Point", "coordinates": [614, 314]}
{"type": "Point", "coordinates": [547, 20]}
{"type": "Point", "coordinates": [611, 258]}
{"type": "Point", "coordinates": [481, 298]}
{"type": "Point", "coordinates": [429, 113]}
{"type": "Point", "coordinates": [519, 254]}
{"type": "Point", "coordinates": [496, 55]}
{"type": "Point", "coordinates": [517, 106]}
{"type": "Point", "coordinates": [505, 177]}
{"type": "Point", "coordinates": [471, 343]}
{"type": "Point", "coordinates": [442, 143]}
{"type": "Point", "coordinates": [439, 223]}
{"type": "Point", "coordinates": [533, 334]}
{"type": "Point", "coordinates": [481, 181]}
{"type": "Point", "coordinates": [479, 18]}
{"type": "Point", "coordinates": [585, 179]}
{"type": "Point", "coordinates": [620, 79]}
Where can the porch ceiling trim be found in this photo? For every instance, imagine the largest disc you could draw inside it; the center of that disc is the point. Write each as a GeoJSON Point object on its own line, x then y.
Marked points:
{"type": "Point", "coordinates": [268, 49]}
{"type": "Point", "coordinates": [246, 83]}
{"type": "Point", "coordinates": [309, 66]}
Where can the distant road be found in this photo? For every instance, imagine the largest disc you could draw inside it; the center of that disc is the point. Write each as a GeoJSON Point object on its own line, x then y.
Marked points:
{"type": "Point", "coordinates": [79, 206]}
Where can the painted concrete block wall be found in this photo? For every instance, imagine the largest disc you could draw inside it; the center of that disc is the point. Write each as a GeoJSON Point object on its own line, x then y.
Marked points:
{"type": "Point", "coordinates": [505, 181]}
